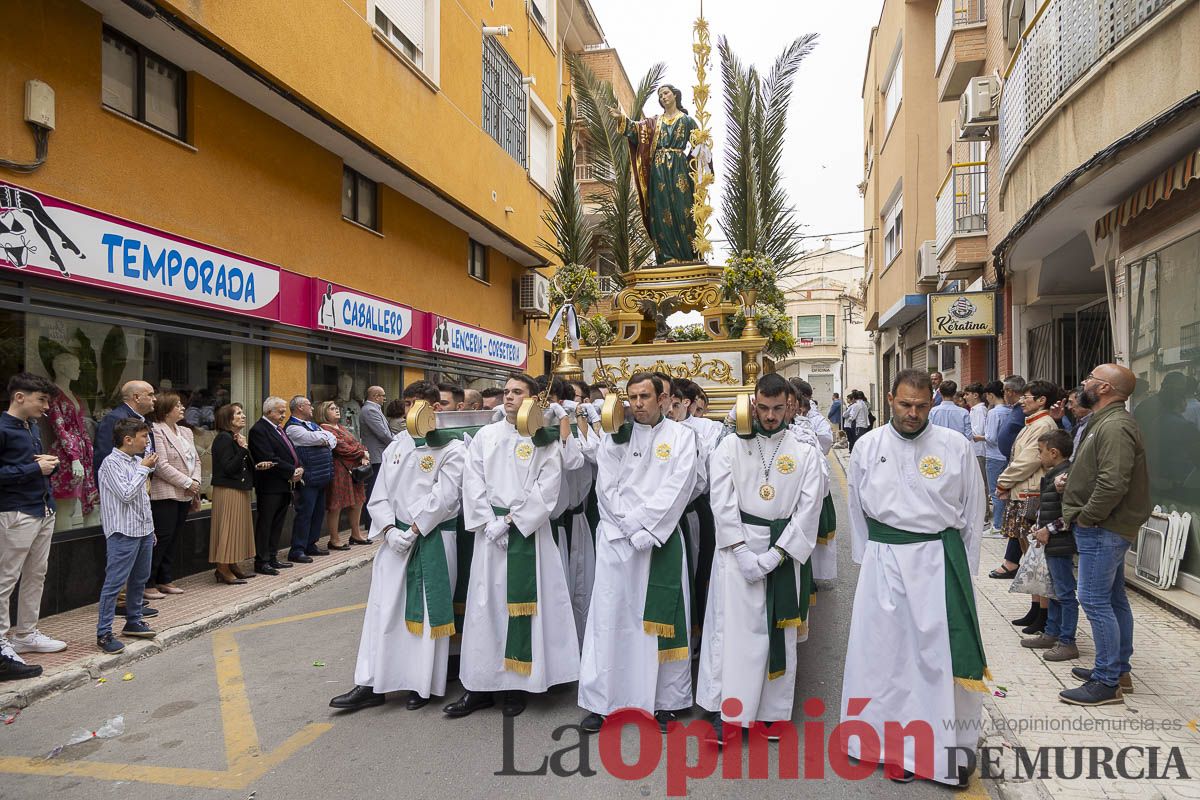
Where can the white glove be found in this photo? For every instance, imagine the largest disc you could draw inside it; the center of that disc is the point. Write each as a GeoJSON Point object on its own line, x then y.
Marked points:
{"type": "Point", "coordinates": [558, 411]}
{"type": "Point", "coordinates": [748, 563]}
{"type": "Point", "coordinates": [495, 530]}
{"type": "Point", "coordinates": [570, 406]}
{"type": "Point", "coordinates": [400, 541]}
{"type": "Point", "coordinates": [629, 527]}
{"type": "Point", "coordinates": [593, 415]}
{"type": "Point", "coordinates": [76, 469]}
{"type": "Point", "coordinates": [642, 540]}
{"type": "Point", "coordinates": [769, 560]}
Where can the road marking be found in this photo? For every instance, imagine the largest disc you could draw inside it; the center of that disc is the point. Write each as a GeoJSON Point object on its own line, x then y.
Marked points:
{"type": "Point", "coordinates": [245, 759]}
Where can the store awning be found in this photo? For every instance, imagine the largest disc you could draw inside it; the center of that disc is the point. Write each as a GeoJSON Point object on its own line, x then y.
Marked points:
{"type": "Point", "coordinates": [905, 310]}
{"type": "Point", "coordinates": [1173, 179]}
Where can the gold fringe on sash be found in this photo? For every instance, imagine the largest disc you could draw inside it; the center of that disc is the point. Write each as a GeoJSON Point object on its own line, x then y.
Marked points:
{"type": "Point", "coordinates": [976, 686]}
{"type": "Point", "coordinates": [795, 622]}
{"type": "Point", "coordinates": [522, 609]}
{"type": "Point", "coordinates": [812, 599]}
{"type": "Point", "coordinates": [519, 667]}
{"type": "Point", "coordinates": [442, 631]}
{"type": "Point", "coordinates": [773, 675]}
{"type": "Point", "coordinates": [826, 538]}
{"type": "Point", "coordinates": [674, 654]}
{"type": "Point", "coordinates": [659, 629]}
{"type": "Point", "coordinates": [415, 628]}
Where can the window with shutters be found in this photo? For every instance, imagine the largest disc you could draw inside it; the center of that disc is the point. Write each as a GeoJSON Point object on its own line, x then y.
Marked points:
{"type": "Point", "coordinates": [410, 28]}
{"type": "Point", "coordinates": [542, 149]}
{"type": "Point", "coordinates": [830, 327]}
{"type": "Point", "coordinates": [542, 13]}
{"type": "Point", "coordinates": [141, 85]}
{"type": "Point", "coordinates": [893, 231]}
{"type": "Point", "coordinates": [808, 327]}
{"type": "Point", "coordinates": [360, 199]}
{"type": "Point", "coordinates": [504, 100]}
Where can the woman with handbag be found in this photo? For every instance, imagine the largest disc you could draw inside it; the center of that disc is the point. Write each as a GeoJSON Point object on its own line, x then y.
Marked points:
{"type": "Point", "coordinates": [1020, 482]}
{"type": "Point", "coordinates": [351, 469]}
{"type": "Point", "coordinates": [174, 489]}
{"type": "Point", "coordinates": [232, 537]}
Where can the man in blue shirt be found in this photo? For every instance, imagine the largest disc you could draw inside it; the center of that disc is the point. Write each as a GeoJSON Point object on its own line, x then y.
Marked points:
{"type": "Point", "coordinates": [950, 415]}
{"type": "Point", "coordinates": [137, 401]}
{"type": "Point", "coordinates": [935, 378]}
{"type": "Point", "coordinates": [835, 412]}
{"type": "Point", "coordinates": [1014, 387]}
{"type": "Point", "coordinates": [994, 461]}
{"type": "Point", "coordinates": [27, 523]}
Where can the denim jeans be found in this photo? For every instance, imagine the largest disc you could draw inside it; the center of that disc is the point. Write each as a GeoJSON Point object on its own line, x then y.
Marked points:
{"type": "Point", "coordinates": [128, 568]}
{"type": "Point", "coordinates": [1062, 617]}
{"type": "Point", "coordinates": [994, 467]}
{"type": "Point", "coordinates": [310, 519]}
{"type": "Point", "coordinates": [1102, 595]}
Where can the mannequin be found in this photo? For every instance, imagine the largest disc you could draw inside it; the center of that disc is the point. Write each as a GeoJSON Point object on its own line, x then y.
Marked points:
{"type": "Point", "coordinates": [74, 488]}
{"type": "Point", "coordinates": [350, 407]}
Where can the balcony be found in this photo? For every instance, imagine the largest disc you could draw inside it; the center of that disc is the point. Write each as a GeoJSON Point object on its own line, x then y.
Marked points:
{"type": "Point", "coordinates": [1064, 41]}
{"type": "Point", "coordinates": [960, 44]}
{"type": "Point", "coordinates": [585, 173]}
{"type": "Point", "coordinates": [961, 218]}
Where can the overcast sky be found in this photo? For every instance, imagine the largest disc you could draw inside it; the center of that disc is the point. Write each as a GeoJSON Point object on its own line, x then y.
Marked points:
{"type": "Point", "coordinates": [823, 154]}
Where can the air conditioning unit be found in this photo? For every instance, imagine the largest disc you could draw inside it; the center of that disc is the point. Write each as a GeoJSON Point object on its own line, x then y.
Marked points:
{"type": "Point", "coordinates": [977, 106]}
{"type": "Point", "coordinates": [534, 295]}
{"type": "Point", "coordinates": [927, 267]}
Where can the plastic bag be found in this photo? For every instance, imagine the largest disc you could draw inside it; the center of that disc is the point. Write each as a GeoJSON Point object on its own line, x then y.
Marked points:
{"type": "Point", "coordinates": [1033, 575]}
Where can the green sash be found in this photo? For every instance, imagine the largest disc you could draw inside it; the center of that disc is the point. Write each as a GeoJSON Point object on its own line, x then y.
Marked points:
{"type": "Point", "coordinates": [787, 604]}
{"type": "Point", "coordinates": [664, 615]}
{"type": "Point", "coordinates": [522, 598]}
{"type": "Point", "coordinates": [967, 658]}
{"type": "Point", "coordinates": [427, 583]}
{"type": "Point", "coordinates": [828, 524]}
{"type": "Point", "coordinates": [441, 437]}
{"type": "Point", "coordinates": [466, 551]}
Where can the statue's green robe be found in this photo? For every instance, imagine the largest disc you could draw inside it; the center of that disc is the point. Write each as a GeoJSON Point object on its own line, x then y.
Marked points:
{"type": "Point", "coordinates": [664, 182]}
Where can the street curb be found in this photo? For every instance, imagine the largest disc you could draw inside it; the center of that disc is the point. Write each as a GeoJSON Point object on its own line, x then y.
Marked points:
{"type": "Point", "coordinates": [91, 669]}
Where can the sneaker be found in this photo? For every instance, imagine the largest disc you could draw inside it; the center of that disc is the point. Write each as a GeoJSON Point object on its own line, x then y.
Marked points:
{"type": "Point", "coordinates": [1092, 693]}
{"type": "Point", "coordinates": [1063, 652]}
{"type": "Point", "coordinates": [13, 669]}
{"type": "Point", "coordinates": [1042, 641]}
{"type": "Point", "coordinates": [109, 643]}
{"type": "Point", "coordinates": [1085, 674]}
{"type": "Point", "coordinates": [37, 642]}
{"type": "Point", "coordinates": [6, 651]}
{"type": "Point", "coordinates": [138, 630]}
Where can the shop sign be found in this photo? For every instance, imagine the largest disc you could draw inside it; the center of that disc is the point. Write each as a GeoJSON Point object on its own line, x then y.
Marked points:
{"type": "Point", "coordinates": [44, 235]}
{"type": "Point", "coordinates": [962, 315]}
{"type": "Point", "coordinates": [456, 339]}
{"type": "Point", "coordinates": [343, 310]}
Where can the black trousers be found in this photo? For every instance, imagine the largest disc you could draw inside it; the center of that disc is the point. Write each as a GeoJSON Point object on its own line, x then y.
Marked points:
{"type": "Point", "coordinates": [272, 509]}
{"type": "Point", "coordinates": [169, 517]}
{"type": "Point", "coordinates": [366, 517]}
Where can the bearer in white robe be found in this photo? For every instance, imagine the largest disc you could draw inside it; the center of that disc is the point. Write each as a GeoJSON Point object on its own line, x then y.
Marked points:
{"type": "Point", "coordinates": [636, 651]}
{"type": "Point", "coordinates": [518, 636]}
{"type": "Point", "coordinates": [915, 504]}
{"type": "Point", "coordinates": [770, 483]}
{"type": "Point", "coordinates": [414, 506]}
{"type": "Point", "coordinates": [824, 557]}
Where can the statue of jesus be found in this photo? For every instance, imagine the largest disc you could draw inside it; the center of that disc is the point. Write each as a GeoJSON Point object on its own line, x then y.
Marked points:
{"type": "Point", "coordinates": [662, 156]}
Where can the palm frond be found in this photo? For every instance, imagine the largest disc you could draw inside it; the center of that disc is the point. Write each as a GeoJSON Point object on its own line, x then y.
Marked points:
{"type": "Point", "coordinates": [738, 203]}
{"type": "Point", "coordinates": [571, 243]}
{"type": "Point", "coordinates": [646, 87]}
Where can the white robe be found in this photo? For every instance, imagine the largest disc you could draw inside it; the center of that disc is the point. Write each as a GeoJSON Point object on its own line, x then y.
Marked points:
{"type": "Point", "coordinates": [734, 654]}
{"type": "Point", "coordinates": [390, 658]}
{"type": "Point", "coordinates": [648, 479]}
{"type": "Point", "coordinates": [506, 470]}
{"type": "Point", "coordinates": [824, 557]}
{"type": "Point", "coordinates": [898, 654]}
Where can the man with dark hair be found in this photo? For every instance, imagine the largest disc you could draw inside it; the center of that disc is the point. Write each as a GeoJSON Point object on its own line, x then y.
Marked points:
{"type": "Point", "coordinates": [452, 396]}
{"type": "Point", "coordinates": [636, 650]}
{"type": "Point", "coordinates": [517, 597]}
{"type": "Point", "coordinates": [915, 516]}
{"type": "Point", "coordinates": [977, 411]}
{"type": "Point", "coordinates": [422, 390]}
{"type": "Point", "coordinates": [994, 460]}
{"type": "Point", "coordinates": [935, 384]}
{"type": "Point", "coordinates": [950, 415]}
{"type": "Point", "coordinates": [835, 412]}
{"type": "Point", "coordinates": [27, 522]}
{"type": "Point", "coordinates": [824, 558]}
{"type": "Point", "coordinates": [767, 492]}
{"type": "Point", "coordinates": [492, 397]}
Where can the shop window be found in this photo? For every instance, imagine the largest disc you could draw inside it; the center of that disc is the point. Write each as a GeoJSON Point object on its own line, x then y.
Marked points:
{"type": "Point", "coordinates": [360, 199]}
{"type": "Point", "coordinates": [142, 85]}
{"type": "Point", "coordinates": [477, 261]}
{"type": "Point", "coordinates": [1164, 347]}
{"type": "Point", "coordinates": [345, 381]}
{"type": "Point", "coordinates": [90, 361]}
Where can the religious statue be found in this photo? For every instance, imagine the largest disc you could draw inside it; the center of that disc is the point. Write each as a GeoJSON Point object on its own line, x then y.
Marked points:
{"type": "Point", "coordinates": [664, 168]}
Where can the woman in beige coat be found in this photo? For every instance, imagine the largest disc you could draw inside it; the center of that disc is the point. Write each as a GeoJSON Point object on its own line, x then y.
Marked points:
{"type": "Point", "coordinates": [1020, 482]}
{"type": "Point", "coordinates": [174, 489]}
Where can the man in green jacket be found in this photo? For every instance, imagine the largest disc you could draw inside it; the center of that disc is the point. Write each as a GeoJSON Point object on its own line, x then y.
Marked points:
{"type": "Point", "coordinates": [1107, 498]}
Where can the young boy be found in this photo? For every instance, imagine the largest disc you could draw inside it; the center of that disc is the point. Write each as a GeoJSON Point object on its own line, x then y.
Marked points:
{"type": "Point", "coordinates": [1054, 450]}
{"type": "Point", "coordinates": [128, 530]}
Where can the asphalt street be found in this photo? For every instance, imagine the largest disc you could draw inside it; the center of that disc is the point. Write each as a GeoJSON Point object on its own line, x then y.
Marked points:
{"type": "Point", "coordinates": [243, 713]}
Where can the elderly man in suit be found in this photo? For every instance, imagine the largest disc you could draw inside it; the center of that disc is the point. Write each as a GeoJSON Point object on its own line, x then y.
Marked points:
{"type": "Point", "coordinates": [375, 435]}
{"type": "Point", "coordinates": [273, 487]}
{"type": "Point", "coordinates": [137, 401]}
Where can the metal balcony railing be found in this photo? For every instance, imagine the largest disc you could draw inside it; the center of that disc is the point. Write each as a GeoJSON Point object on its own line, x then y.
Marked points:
{"type": "Point", "coordinates": [588, 172]}
{"type": "Point", "coordinates": [1064, 40]}
{"type": "Point", "coordinates": [953, 14]}
{"type": "Point", "coordinates": [961, 206]}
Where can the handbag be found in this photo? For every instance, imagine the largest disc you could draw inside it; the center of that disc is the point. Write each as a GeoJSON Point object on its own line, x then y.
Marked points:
{"type": "Point", "coordinates": [361, 473]}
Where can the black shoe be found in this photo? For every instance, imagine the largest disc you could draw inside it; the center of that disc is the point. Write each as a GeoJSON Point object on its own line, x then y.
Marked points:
{"type": "Point", "coordinates": [452, 668]}
{"type": "Point", "coordinates": [1084, 674]}
{"type": "Point", "coordinates": [592, 722]}
{"type": "Point", "coordinates": [359, 541]}
{"type": "Point", "coordinates": [1039, 623]}
{"type": "Point", "coordinates": [469, 703]}
{"type": "Point", "coordinates": [513, 703]}
{"type": "Point", "coordinates": [315, 551]}
{"type": "Point", "coordinates": [1030, 616]}
{"type": "Point", "coordinates": [147, 612]}
{"type": "Point", "coordinates": [300, 559]}
{"type": "Point", "coordinates": [277, 564]}
{"type": "Point", "coordinates": [339, 547]}
{"type": "Point", "coordinates": [1092, 693]}
{"type": "Point", "coordinates": [356, 698]}
{"type": "Point", "coordinates": [138, 630]}
{"type": "Point", "coordinates": [415, 700]}
{"type": "Point", "coordinates": [265, 569]}
{"type": "Point", "coordinates": [902, 777]}
{"type": "Point", "coordinates": [664, 718]}
{"type": "Point", "coordinates": [13, 670]}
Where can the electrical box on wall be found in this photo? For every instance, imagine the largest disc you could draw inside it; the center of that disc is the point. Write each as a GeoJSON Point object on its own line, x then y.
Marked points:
{"type": "Point", "coordinates": [39, 104]}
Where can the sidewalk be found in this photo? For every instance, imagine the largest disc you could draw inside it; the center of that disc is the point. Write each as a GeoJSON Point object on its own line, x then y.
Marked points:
{"type": "Point", "coordinates": [204, 605]}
